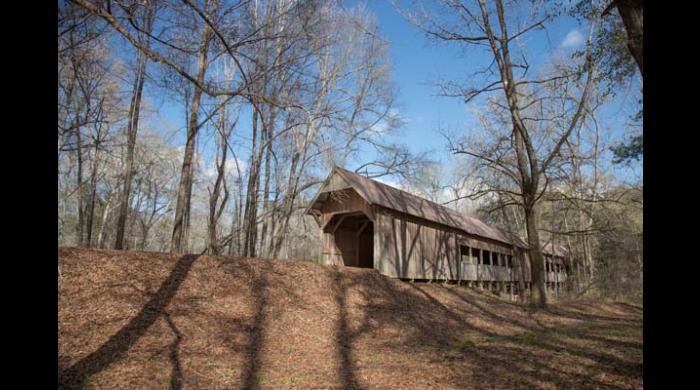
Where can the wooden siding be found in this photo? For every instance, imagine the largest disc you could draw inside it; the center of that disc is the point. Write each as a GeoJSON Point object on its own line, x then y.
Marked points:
{"type": "Point", "coordinates": [410, 250]}
{"type": "Point", "coordinates": [401, 236]}
{"type": "Point", "coordinates": [408, 247]}
{"type": "Point", "coordinates": [344, 201]}
{"type": "Point", "coordinates": [330, 253]}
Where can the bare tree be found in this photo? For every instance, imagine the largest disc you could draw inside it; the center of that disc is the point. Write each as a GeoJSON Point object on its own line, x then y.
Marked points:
{"type": "Point", "coordinates": [350, 99]}
{"type": "Point", "coordinates": [517, 156]}
{"type": "Point", "coordinates": [97, 143]}
{"type": "Point", "coordinates": [88, 107]}
{"type": "Point", "coordinates": [312, 75]}
{"type": "Point", "coordinates": [156, 172]}
{"type": "Point", "coordinates": [147, 14]}
{"type": "Point", "coordinates": [216, 207]}
{"type": "Point", "coordinates": [182, 208]}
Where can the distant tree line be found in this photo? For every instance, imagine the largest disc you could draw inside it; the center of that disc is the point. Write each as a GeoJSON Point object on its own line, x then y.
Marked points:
{"type": "Point", "coordinates": [274, 93]}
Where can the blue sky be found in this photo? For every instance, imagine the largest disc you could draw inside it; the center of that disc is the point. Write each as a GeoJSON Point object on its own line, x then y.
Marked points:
{"type": "Point", "coordinates": [418, 62]}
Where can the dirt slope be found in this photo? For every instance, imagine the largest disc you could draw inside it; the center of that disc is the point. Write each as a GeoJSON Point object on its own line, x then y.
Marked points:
{"type": "Point", "coordinates": [157, 320]}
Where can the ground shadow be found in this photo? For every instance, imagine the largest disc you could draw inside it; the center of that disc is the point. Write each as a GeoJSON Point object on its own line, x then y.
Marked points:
{"type": "Point", "coordinates": [453, 336]}
{"type": "Point", "coordinates": [253, 364]}
{"type": "Point", "coordinates": [119, 343]}
{"type": "Point", "coordinates": [344, 334]}
{"type": "Point", "coordinates": [174, 350]}
{"type": "Point", "coordinates": [252, 327]}
{"type": "Point", "coordinates": [523, 356]}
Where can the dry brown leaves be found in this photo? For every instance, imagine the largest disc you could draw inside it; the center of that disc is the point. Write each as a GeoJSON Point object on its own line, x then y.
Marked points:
{"type": "Point", "coordinates": [157, 320]}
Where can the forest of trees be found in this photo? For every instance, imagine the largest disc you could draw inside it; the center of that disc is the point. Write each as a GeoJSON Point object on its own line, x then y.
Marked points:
{"type": "Point", "coordinates": [274, 93]}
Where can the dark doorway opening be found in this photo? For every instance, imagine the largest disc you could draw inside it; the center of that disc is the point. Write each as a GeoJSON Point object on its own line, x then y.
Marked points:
{"type": "Point", "coordinates": [354, 238]}
{"type": "Point", "coordinates": [365, 247]}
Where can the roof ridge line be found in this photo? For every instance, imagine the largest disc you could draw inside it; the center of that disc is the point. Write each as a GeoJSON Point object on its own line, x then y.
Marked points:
{"type": "Point", "coordinates": [414, 195]}
{"type": "Point", "coordinates": [501, 230]}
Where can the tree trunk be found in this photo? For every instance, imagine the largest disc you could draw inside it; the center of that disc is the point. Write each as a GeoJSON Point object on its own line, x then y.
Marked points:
{"type": "Point", "coordinates": [632, 14]}
{"type": "Point", "coordinates": [81, 223]}
{"type": "Point", "coordinates": [132, 129]}
{"type": "Point", "coordinates": [273, 223]}
{"type": "Point", "coordinates": [235, 241]}
{"type": "Point", "coordinates": [178, 240]}
{"type": "Point", "coordinates": [145, 229]}
{"type": "Point", "coordinates": [239, 218]}
{"type": "Point", "coordinates": [214, 208]}
{"type": "Point", "coordinates": [91, 203]}
{"type": "Point", "coordinates": [250, 214]}
{"type": "Point", "coordinates": [538, 295]}
{"type": "Point", "coordinates": [188, 214]}
{"type": "Point", "coordinates": [287, 205]}
{"type": "Point", "coordinates": [516, 253]}
{"type": "Point", "coordinates": [101, 233]}
{"type": "Point", "coordinates": [266, 186]}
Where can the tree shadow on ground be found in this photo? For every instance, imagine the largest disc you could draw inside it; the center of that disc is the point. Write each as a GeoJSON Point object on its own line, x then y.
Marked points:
{"type": "Point", "coordinates": [578, 311]}
{"type": "Point", "coordinates": [253, 349]}
{"type": "Point", "coordinates": [630, 307]}
{"type": "Point", "coordinates": [176, 377]}
{"type": "Point", "coordinates": [250, 328]}
{"type": "Point", "coordinates": [528, 355]}
{"type": "Point", "coordinates": [345, 335]}
{"type": "Point", "coordinates": [453, 336]}
{"type": "Point", "coordinates": [555, 339]}
{"type": "Point", "coordinates": [118, 344]}
{"type": "Point", "coordinates": [253, 327]}
{"type": "Point", "coordinates": [586, 331]}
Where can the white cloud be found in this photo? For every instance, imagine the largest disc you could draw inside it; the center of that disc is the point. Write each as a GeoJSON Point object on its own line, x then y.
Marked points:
{"type": "Point", "coordinates": [231, 166]}
{"type": "Point", "coordinates": [210, 171]}
{"type": "Point", "coordinates": [380, 126]}
{"type": "Point", "coordinates": [573, 39]}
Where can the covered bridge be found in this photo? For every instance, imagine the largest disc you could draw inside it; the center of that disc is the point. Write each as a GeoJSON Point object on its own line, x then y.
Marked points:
{"type": "Point", "coordinates": [368, 224]}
